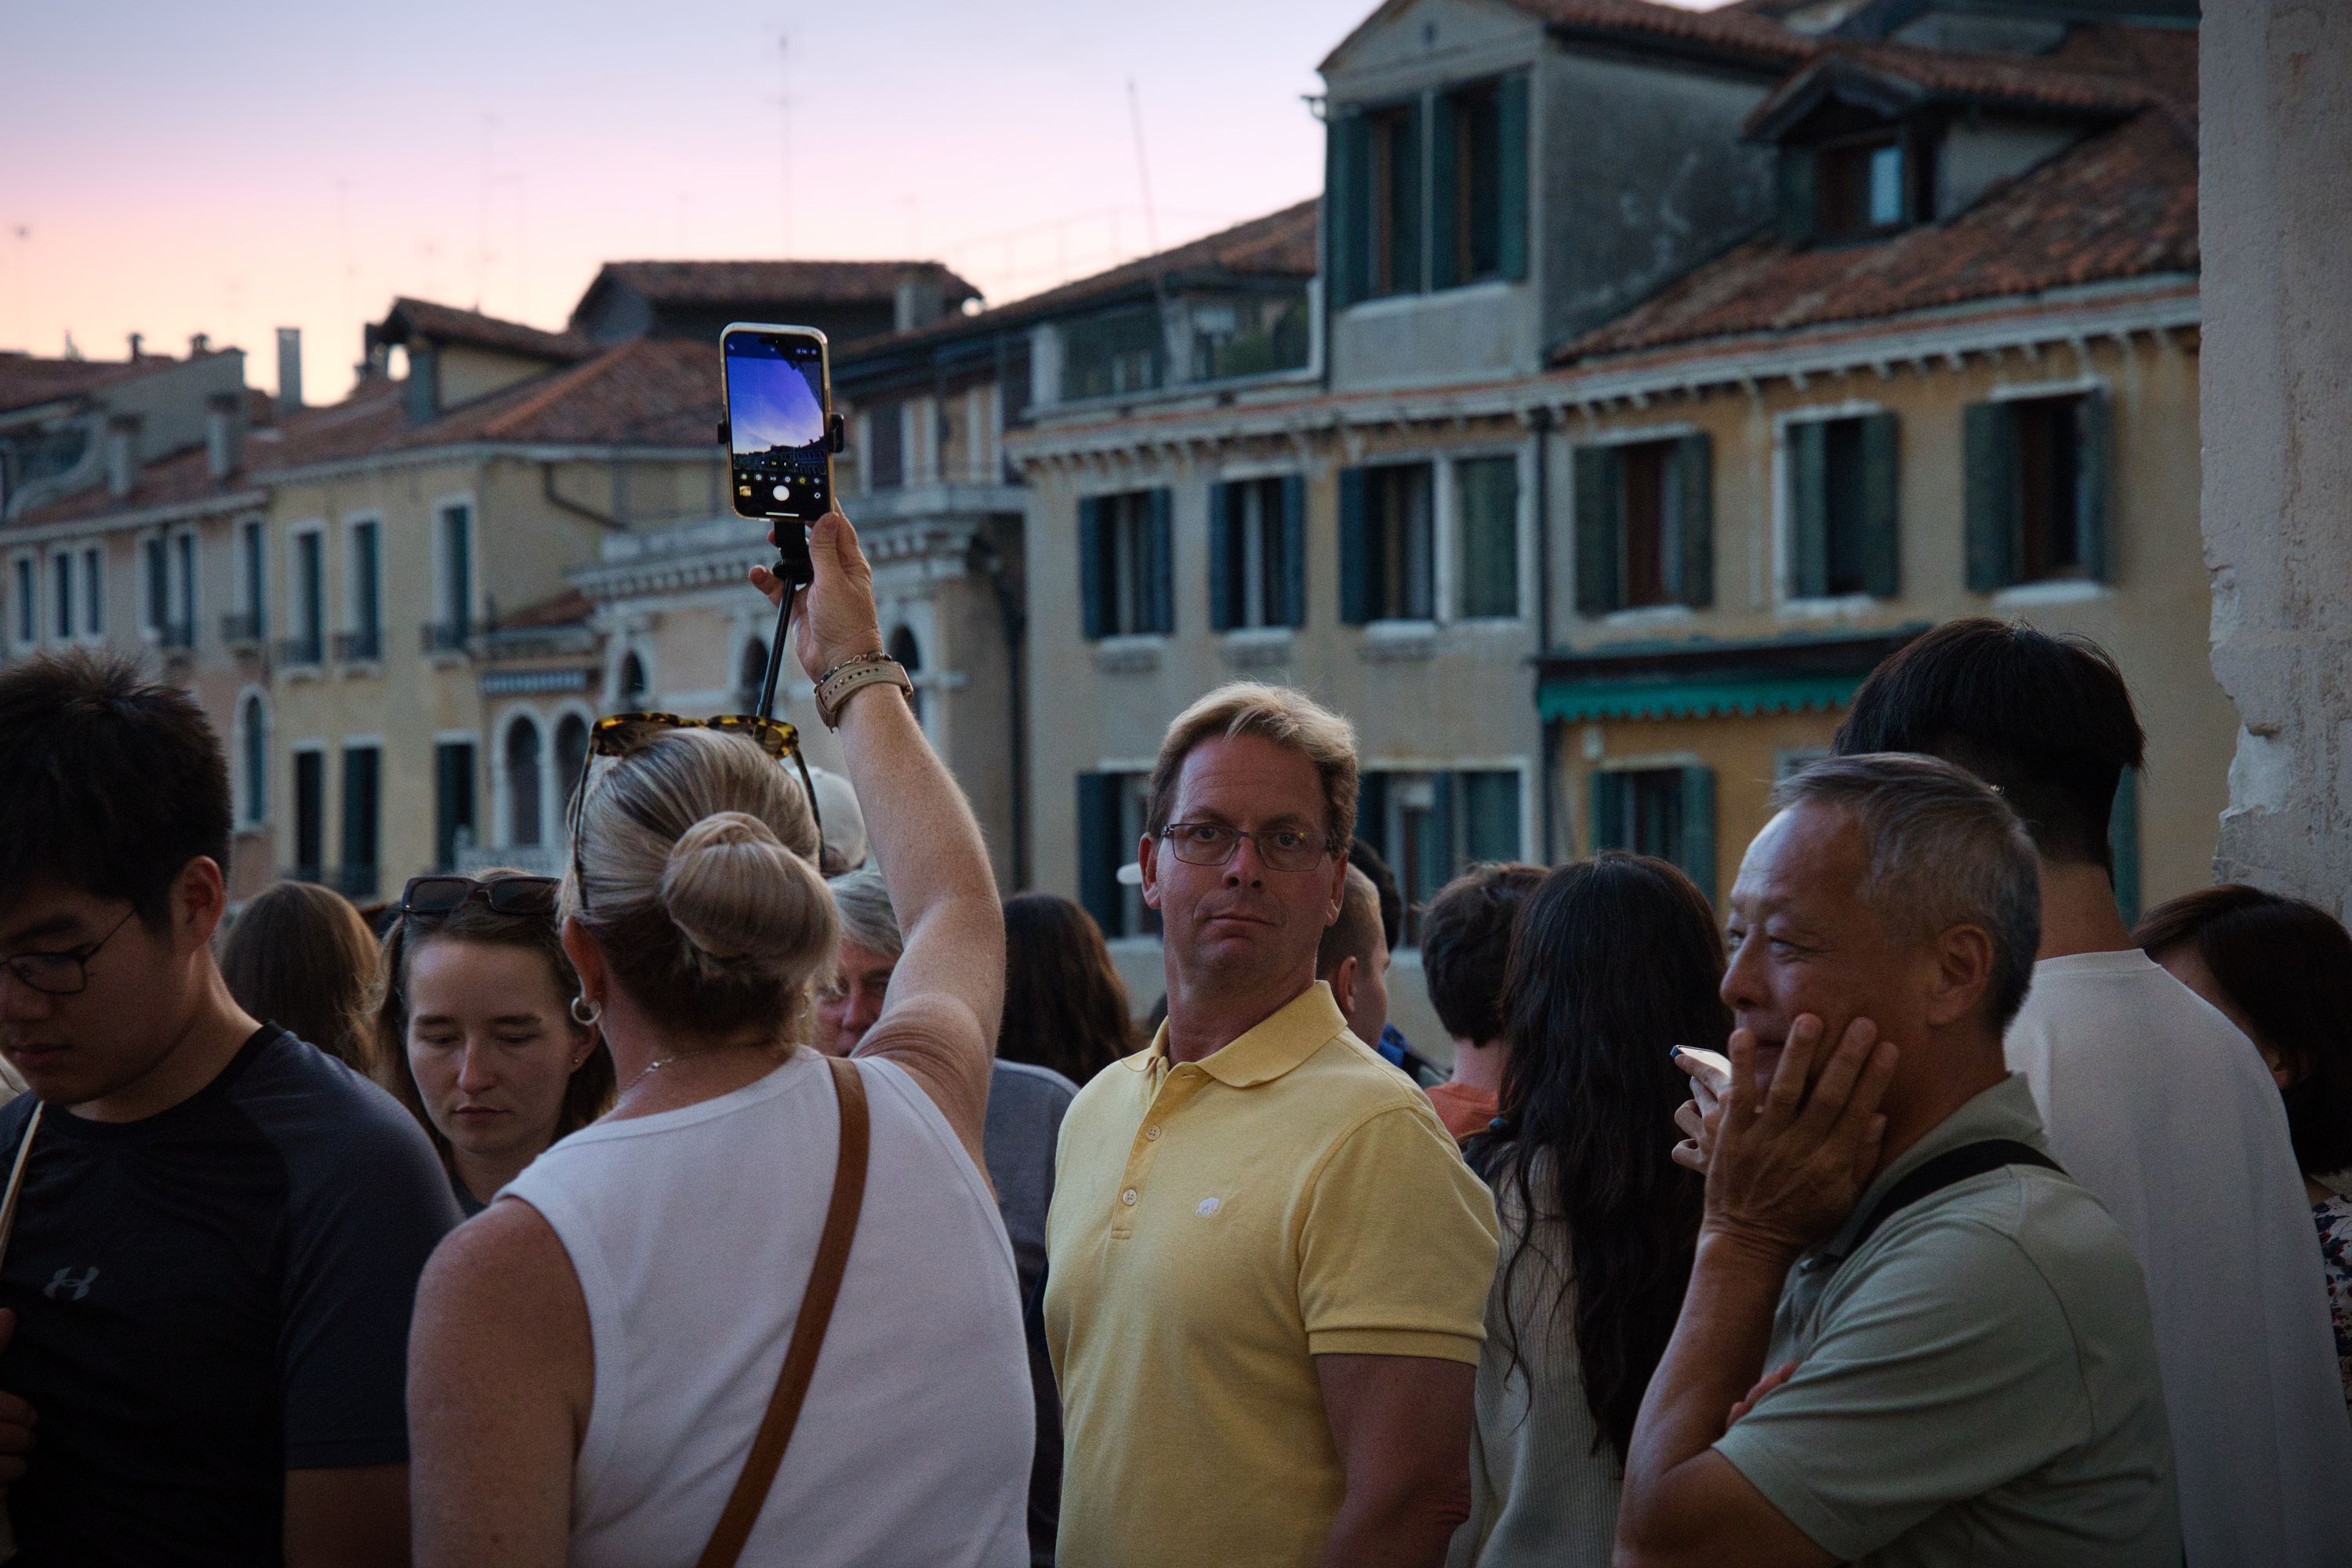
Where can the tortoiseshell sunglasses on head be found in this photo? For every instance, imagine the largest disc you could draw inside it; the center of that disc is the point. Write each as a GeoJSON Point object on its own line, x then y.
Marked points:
{"type": "Point", "coordinates": [622, 733]}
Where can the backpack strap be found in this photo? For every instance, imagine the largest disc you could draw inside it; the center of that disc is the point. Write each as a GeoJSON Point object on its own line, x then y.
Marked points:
{"type": "Point", "coordinates": [751, 1493]}
{"type": "Point", "coordinates": [1949, 1169]}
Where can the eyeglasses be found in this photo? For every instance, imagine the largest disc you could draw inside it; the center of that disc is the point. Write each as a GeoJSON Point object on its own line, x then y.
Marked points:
{"type": "Point", "coordinates": [60, 973]}
{"type": "Point", "coordinates": [622, 733]}
{"type": "Point", "coordinates": [1214, 843]}
{"type": "Point", "coordinates": [506, 896]}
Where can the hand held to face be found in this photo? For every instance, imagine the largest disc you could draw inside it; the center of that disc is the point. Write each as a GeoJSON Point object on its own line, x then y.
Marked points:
{"type": "Point", "coordinates": [1788, 1163]}
{"type": "Point", "coordinates": [835, 619]}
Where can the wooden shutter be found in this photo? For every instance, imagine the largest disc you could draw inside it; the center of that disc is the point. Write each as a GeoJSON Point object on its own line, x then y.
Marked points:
{"type": "Point", "coordinates": [1697, 856]}
{"type": "Point", "coordinates": [1991, 438]}
{"type": "Point", "coordinates": [1693, 459]}
{"type": "Point", "coordinates": [1346, 207]}
{"type": "Point", "coordinates": [1093, 603]}
{"type": "Point", "coordinates": [1355, 547]}
{"type": "Point", "coordinates": [1099, 857]}
{"type": "Point", "coordinates": [1600, 528]}
{"type": "Point", "coordinates": [1608, 827]}
{"type": "Point", "coordinates": [1511, 184]}
{"type": "Point", "coordinates": [2123, 844]}
{"type": "Point", "coordinates": [1372, 812]}
{"type": "Point", "coordinates": [1224, 510]}
{"type": "Point", "coordinates": [1444, 192]}
{"type": "Point", "coordinates": [1808, 509]}
{"type": "Point", "coordinates": [1440, 851]}
{"type": "Point", "coordinates": [1881, 511]}
{"type": "Point", "coordinates": [1293, 549]}
{"type": "Point", "coordinates": [1159, 562]}
{"type": "Point", "coordinates": [2095, 425]}
{"type": "Point", "coordinates": [1796, 192]}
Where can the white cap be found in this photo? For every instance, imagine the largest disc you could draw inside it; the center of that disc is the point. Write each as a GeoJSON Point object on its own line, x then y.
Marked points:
{"type": "Point", "coordinates": [844, 821]}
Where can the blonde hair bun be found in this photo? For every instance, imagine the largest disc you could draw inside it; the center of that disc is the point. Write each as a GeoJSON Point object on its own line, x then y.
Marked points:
{"type": "Point", "coordinates": [742, 899]}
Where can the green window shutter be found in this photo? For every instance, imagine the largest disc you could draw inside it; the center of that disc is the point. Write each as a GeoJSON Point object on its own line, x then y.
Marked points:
{"type": "Point", "coordinates": [1697, 856]}
{"type": "Point", "coordinates": [1991, 438]}
{"type": "Point", "coordinates": [1882, 518]}
{"type": "Point", "coordinates": [1293, 549]}
{"type": "Point", "coordinates": [1093, 603]}
{"type": "Point", "coordinates": [1439, 852]}
{"type": "Point", "coordinates": [1609, 795]}
{"type": "Point", "coordinates": [1490, 815]}
{"type": "Point", "coordinates": [1355, 547]}
{"type": "Point", "coordinates": [1599, 527]}
{"type": "Point", "coordinates": [1347, 206]}
{"type": "Point", "coordinates": [1444, 192]}
{"type": "Point", "coordinates": [1224, 509]}
{"type": "Point", "coordinates": [1808, 509]}
{"type": "Point", "coordinates": [1159, 562]}
{"type": "Point", "coordinates": [1694, 462]}
{"type": "Point", "coordinates": [2094, 422]}
{"type": "Point", "coordinates": [1796, 180]}
{"type": "Point", "coordinates": [1512, 178]}
{"type": "Point", "coordinates": [1405, 197]}
{"type": "Point", "coordinates": [1372, 812]}
{"type": "Point", "coordinates": [2123, 844]}
{"type": "Point", "coordinates": [1098, 858]}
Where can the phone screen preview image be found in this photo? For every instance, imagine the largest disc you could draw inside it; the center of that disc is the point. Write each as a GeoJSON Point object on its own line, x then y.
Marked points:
{"type": "Point", "coordinates": [777, 454]}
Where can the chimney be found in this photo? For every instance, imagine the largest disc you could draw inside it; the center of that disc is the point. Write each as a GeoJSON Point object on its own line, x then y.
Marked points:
{"type": "Point", "coordinates": [136, 339]}
{"type": "Point", "coordinates": [224, 433]}
{"type": "Point", "coordinates": [922, 298]}
{"type": "Point", "coordinates": [199, 344]}
{"type": "Point", "coordinates": [122, 453]}
{"type": "Point", "coordinates": [289, 370]}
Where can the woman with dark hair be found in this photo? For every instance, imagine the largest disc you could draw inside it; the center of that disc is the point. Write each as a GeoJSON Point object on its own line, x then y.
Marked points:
{"type": "Point", "coordinates": [1064, 1006]}
{"type": "Point", "coordinates": [2280, 969]}
{"type": "Point", "coordinates": [479, 1030]}
{"type": "Point", "coordinates": [302, 956]}
{"type": "Point", "coordinates": [1616, 961]}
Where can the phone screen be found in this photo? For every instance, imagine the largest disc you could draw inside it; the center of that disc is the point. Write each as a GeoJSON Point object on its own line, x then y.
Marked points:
{"type": "Point", "coordinates": [781, 466]}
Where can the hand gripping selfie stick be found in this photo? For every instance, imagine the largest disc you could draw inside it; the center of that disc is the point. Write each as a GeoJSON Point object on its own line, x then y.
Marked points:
{"type": "Point", "coordinates": [8, 1227]}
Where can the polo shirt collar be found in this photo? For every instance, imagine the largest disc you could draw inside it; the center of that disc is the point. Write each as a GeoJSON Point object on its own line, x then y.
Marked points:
{"type": "Point", "coordinates": [2004, 1111]}
{"type": "Point", "coordinates": [1277, 1043]}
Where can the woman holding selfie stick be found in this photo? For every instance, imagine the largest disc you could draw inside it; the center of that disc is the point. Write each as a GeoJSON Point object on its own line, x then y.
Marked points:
{"type": "Point", "coordinates": [599, 1371]}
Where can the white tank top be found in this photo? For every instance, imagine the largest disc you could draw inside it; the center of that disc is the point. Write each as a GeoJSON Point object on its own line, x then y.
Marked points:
{"type": "Point", "coordinates": [692, 1233]}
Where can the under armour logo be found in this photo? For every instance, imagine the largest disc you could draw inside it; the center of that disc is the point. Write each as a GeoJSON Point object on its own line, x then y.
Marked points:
{"type": "Point", "coordinates": [64, 1281]}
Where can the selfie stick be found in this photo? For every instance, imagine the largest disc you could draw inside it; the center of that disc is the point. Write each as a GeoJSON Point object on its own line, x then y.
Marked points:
{"type": "Point", "coordinates": [7, 1226]}
{"type": "Point", "coordinates": [794, 578]}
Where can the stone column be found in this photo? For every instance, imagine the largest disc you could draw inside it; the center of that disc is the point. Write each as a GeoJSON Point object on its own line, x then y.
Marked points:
{"type": "Point", "coordinates": [2276, 368]}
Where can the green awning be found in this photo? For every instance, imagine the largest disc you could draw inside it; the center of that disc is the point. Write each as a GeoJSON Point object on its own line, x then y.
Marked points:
{"type": "Point", "coordinates": [1704, 697]}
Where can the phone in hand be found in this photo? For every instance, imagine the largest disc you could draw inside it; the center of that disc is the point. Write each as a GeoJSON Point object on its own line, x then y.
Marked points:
{"type": "Point", "coordinates": [781, 431]}
{"type": "Point", "coordinates": [1710, 1072]}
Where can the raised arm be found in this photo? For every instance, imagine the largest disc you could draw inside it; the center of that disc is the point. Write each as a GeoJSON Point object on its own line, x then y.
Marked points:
{"type": "Point", "coordinates": [939, 1023]}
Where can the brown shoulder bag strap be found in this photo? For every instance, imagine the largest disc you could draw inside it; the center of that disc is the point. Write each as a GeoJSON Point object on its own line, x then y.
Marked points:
{"type": "Point", "coordinates": [750, 1492]}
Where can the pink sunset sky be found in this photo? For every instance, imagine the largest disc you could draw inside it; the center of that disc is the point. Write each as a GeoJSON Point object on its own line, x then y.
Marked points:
{"type": "Point", "coordinates": [231, 169]}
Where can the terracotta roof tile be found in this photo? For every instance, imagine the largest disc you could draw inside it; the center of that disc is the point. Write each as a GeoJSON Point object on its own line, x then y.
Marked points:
{"type": "Point", "coordinates": [1729, 30]}
{"type": "Point", "coordinates": [448, 324]}
{"type": "Point", "coordinates": [2122, 204]}
{"type": "Point", "coordinates": [28, 379]}
{"type": "Point", "coordinates": [751, 282]}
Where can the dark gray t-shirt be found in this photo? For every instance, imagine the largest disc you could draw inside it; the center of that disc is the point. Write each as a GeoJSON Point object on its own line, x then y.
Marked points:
{"type": "Point", "coordinates": [1024, 1123]}
{"type": "Point", "coordinates": [209, 1297]}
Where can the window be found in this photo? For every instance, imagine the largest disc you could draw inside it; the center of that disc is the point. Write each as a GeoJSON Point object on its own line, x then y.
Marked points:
{"type": "Point", "coordinates": [1113, 353]}
{"type": "Point", "coordinates": [1126, 567]}
{"type": "Point", "coordinates": [158, 585]}
{"type": "Point", "coordinates": [1668, 812]}
{"type": "Point", "coordinates": [93, 593]}
{"type": "Point", "coordinates": [1487, 538]}
{"type": "Point", "coordinates": [910, 654]}
{"type": "Point", "coordinates": [1388, 555]}
{"type": "Point", "coordinates": [307, 609]}
{"type": "Point", "coordinates": [1396, 152]}
{"type": "Point", "coordinates": [253, 578]}
{"type": "Point", "coordinates": [61, 624]}
{"type": "Point", "coordinates": [1473, 204]}
{"type": "Point", "coordinates": [362, 810]}
{"type": "Point", "coordinates": [1843, 533]}
{"type": "Point", "coordinates": [1479, 167]}
{"type": "Point", "coordinates": [1430, 825]}
{"type": "Point", "coordinates": [1250, 336]}
{"type": "Point", "coordinates": [522, 760]}
{"type": "Point", "coordinates": [1257, 553]}
{"type": "Point", "coordinates": [453, 576]}
{"type": "Point", "coordinates": [182, 633]}
{"type": "Point", "coordinates": [310, 814]}
{"type": "Point", "coordinates": [1644, 525]}
{"type": "Point", "coordinates": [29, 603]}
{"type": "Point", "coordinates": [2039, 487]}
{"type": "Point", "coordinates": [253, 761]}
{"type": "Point", "coordinates": [1111, 814]}
{"type": "Point", "coordinates": [364, 588]}
{"type": "Point", "coordinates": [1859, 186]}
{"type": "Point", "coordinates": [454, 825]}
{"type": "Point", "coordinates": [886, 455]}
{"type": "Point", "coordinates": [571, 755]}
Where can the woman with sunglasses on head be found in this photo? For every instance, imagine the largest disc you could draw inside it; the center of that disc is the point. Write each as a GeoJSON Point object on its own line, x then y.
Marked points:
{"type": "Point", "coordinates": [764, 1310]}
{"type": "Point", "coordinates": [478, 1031]}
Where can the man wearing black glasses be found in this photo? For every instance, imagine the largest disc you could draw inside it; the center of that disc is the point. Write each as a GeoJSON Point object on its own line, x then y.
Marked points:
{"type": "Point", "coordinates": [220, 1229]}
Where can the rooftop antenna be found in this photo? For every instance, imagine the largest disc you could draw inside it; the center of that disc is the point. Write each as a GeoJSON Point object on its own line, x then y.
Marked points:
{"type": "Point", "coordinates": [784, 126]}
{"type": "Point", "coordinates": [482, 219]}
{"type": "Point", "coordinates": [1151, 214]}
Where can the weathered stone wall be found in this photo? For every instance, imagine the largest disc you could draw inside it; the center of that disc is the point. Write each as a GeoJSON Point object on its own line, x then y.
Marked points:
{"type": "Point", "coordinates": [2276, 91]}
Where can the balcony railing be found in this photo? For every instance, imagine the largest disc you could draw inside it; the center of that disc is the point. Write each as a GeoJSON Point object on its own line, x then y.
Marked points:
{"type": "Point", "coordinates": [242, 629]}
{"type": "Point", "coordinates": [359, 647]}
{"type": "Point", "coordinates": [448, 636]}
{"type": "Point", "coordinates": [307, 648]}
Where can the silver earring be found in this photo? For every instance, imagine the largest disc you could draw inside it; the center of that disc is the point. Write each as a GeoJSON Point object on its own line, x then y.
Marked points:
{"type": "Point", "coordinates": [584, 1013]}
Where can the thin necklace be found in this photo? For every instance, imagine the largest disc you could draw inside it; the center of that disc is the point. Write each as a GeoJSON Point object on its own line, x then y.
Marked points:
{"type": "Point", "coordinates": [683, 1056]}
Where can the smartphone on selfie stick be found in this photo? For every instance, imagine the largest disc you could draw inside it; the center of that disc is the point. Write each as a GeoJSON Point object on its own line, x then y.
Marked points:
{"type": "Point", "coordinates": [780, 432]}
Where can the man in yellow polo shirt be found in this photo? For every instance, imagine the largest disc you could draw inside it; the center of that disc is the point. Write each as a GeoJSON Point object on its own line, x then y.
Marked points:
{"type": "Point", "coordinates": [1268, 1266]}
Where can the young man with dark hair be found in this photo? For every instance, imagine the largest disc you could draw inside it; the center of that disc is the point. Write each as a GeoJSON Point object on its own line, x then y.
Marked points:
{"type": "Point", "coordinates": [2153, 1100]}
{"type": "Point", "coordinates": [1465, 941]}
{"type": "Point", "coordinates": [221, 1228]}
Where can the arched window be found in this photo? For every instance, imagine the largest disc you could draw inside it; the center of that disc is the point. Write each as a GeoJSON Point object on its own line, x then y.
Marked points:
{"type": "Point", "coordinates": [522, 781]}
{"type": "Point", "coordinates": [633, 683]}
{"type": "Point", "coordinates": [751, 673]}
{"type": "Point", "coordinates": [909, 653]}
{"type": "Point", "coordinates": [571, 755]}
{"type": "Point", "coordinates": [254, 759]}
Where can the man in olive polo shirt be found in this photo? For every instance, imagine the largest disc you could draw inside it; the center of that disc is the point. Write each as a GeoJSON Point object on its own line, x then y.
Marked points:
{"type": "Point", "coordinates": [1268, 1266]}
{"type": "Point", "coordinates": [1963, 1365]}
